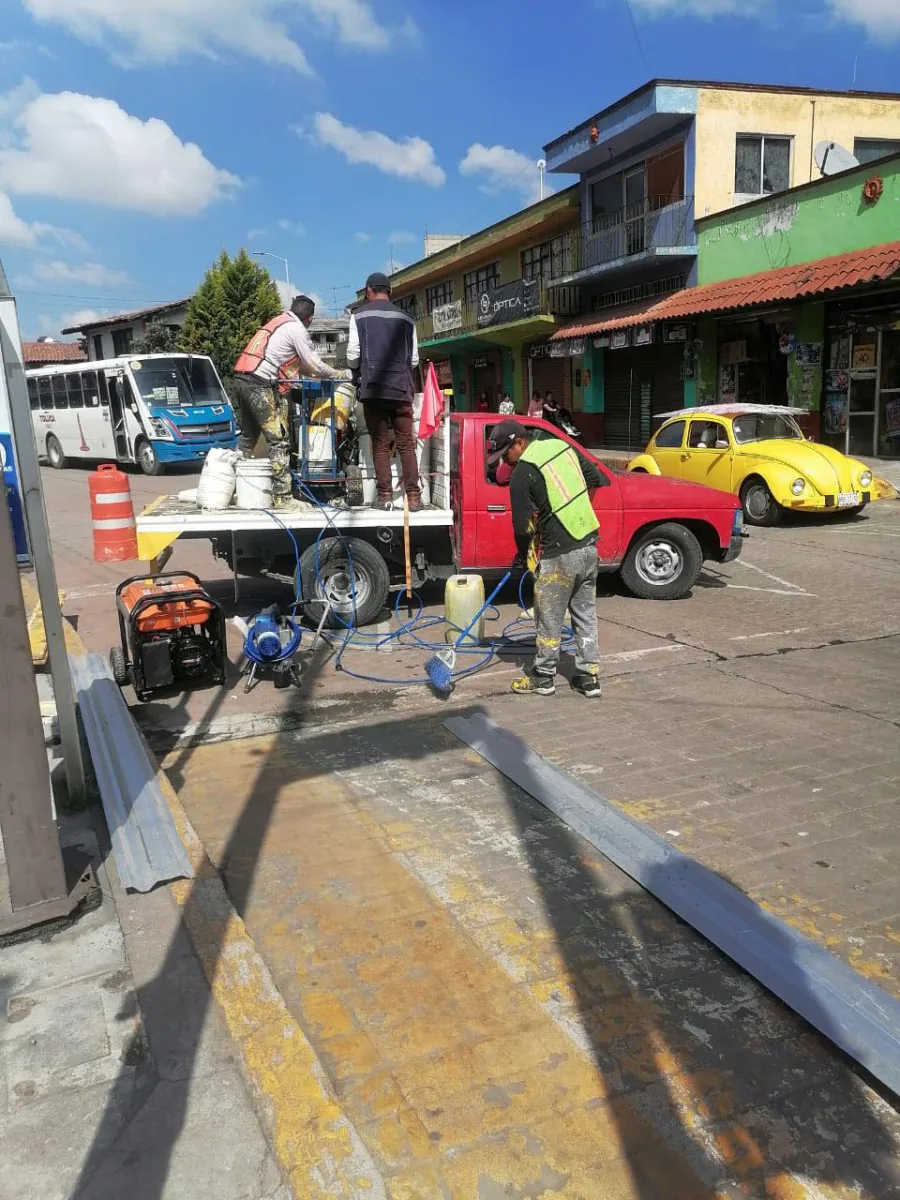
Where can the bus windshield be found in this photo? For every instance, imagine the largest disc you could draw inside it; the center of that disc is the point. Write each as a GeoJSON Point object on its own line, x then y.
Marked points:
{"type": "Point", "coordinates": [177, 382]}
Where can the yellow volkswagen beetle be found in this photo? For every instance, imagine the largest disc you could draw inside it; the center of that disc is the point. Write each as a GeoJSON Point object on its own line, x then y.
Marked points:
{"type": "Point", "coordinates": [758, 453]}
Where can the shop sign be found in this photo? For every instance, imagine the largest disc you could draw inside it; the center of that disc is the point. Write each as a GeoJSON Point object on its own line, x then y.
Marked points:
{"type": "Point", "coordinates": [509, 302]}
{"type": "Point", "coordinates": [444, 374]}
{"type": "Point", "coordinates": [539, 350]}
{"type": "Point", "coordinates": [643, 335]}
{"type": "Point", "coordinates": [864, 358]}
{"type": "Point", "coordinates": [479, 363]}
{"type": "Point", "coordinates": [601, 342]}
{"type": "Point", "coordinates": [675, 333]}
{"type": "Point", "coordinates": [447, 317]}
{"type": "Point", "coordinates": [558, 350]}
{"type": "Point", "coordinates": [892, 418]}
{"type": "Point", "coordinates": [620, 339]}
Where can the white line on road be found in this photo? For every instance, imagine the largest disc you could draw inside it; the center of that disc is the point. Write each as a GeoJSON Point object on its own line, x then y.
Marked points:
{"type": "Point", "coordinates": [749, 637]}
{"type": "Point", "coordinates": [775, 578]}
{"type": "Point", "coordinates": [744, 587]}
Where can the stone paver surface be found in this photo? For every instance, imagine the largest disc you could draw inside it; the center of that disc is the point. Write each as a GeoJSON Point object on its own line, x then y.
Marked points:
{"type": "Point", "coordinates": [500, 1011]}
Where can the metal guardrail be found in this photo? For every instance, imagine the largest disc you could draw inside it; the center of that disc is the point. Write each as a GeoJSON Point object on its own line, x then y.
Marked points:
{"type": "Point", "coordinates": [145, 842]}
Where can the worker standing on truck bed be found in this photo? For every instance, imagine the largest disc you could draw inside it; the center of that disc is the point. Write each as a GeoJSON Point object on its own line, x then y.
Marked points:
{"type": "Point", "coordinates": [382, 346]}
{"type": "Point", "coordinates": [556, 527]}
{"type": "Point", "coordinates": [282, 349]}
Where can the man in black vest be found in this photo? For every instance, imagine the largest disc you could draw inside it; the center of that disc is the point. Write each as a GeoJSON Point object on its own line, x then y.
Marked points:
{"type": "Point", "coordinates": [382, 348]}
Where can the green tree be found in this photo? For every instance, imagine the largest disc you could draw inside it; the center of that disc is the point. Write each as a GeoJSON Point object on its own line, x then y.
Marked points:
{"type": "Point", "coordinates": [236, 297]}
{"type": "Point", "coordinates": [158, 339]}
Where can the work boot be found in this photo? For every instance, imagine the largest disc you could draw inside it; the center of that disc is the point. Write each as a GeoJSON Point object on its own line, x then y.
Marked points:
{"type": "Point", "coordinates": [384, 504]}
{"type": "Point", "coordinates": [534, 684]}
{"type": "Point", "coordinates": [587, 685]}
{"type": "Point", "coordinates": [415, 503]}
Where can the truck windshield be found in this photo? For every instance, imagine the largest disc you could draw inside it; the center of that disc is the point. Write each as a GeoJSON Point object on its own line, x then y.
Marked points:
{"type": "Point", "coordinates": [177, 382]}
{"type": "Point", "coordinates": [759, 427]}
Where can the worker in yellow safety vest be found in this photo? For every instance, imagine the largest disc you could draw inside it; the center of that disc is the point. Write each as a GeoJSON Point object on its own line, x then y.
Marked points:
{"type": "Point", "coordinates": [282, 349]}
{"type": "Point", "coordinates": [556, 529]}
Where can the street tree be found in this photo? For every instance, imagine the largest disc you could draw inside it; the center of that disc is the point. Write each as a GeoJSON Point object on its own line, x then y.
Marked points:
{"type": "Point", "coordinates": [159, 338]}
{"type": "Point", "coordinates": [236, 297]}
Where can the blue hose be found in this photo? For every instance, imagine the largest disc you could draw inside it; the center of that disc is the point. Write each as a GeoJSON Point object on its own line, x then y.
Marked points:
{"type": "Point", "coordinates": [409, 631]}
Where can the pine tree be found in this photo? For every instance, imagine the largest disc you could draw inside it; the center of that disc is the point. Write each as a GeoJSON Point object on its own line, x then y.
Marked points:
{"type": "Point", "coordinates": [236, 297]}
{"type": "Point", "coordinates": [158, 339]}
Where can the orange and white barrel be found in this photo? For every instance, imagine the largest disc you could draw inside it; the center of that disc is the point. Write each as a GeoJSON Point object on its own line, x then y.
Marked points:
{"type": "Point", "coordinates": [112, 515]}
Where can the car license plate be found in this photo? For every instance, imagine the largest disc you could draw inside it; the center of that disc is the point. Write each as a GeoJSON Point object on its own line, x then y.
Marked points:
{"type": "Point", "coordinates": [848, 499]}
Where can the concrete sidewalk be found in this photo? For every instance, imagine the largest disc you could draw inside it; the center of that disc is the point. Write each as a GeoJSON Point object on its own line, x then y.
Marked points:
{"type": "Point", "coordinates": [117, 1076]}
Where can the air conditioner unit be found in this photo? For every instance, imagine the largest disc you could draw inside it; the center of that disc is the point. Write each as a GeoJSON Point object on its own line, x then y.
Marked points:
{"type": "Point", "coordinates": [733, 352]}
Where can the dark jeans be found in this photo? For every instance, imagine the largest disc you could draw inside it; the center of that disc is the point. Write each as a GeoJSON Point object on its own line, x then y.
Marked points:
{"type": "Point", "coordinates": [390, 424]}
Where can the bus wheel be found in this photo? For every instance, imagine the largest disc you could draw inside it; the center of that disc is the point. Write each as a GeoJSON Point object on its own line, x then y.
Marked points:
{"type": "Point", "coordinates": [148, 460]}
{"type": "Point", "coordinates": [55, 453]}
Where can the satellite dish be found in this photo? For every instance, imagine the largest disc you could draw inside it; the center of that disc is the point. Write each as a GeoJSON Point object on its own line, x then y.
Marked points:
{"type": "Point", "coordinates": [832, 158]}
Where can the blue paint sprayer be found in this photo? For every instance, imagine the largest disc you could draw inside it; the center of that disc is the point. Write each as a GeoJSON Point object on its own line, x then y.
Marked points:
{"type": "Point", "coordinates": [270, 642]}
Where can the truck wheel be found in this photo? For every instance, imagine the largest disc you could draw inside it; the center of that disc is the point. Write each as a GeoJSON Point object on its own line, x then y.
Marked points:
{"type": "Point", "coordinates": [148, 460]}
{"type": "Point", "coordinates": [760, 506]}
{"type": "Point", "coordinates": [119, 666]}
{"type": "Point", "coordinates": [55, 455]}
{"type": "Point", "coordinates": [357, 596]}
{"type": "Point", "coordinates": [662, 563]}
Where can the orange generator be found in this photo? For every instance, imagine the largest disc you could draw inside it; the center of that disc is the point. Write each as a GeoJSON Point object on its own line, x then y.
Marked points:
{"type": "Point", "coordinates": [173, 633]}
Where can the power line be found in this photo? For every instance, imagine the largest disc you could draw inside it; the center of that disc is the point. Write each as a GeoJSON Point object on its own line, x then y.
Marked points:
{"type": "Point", "coordinates": [637, 36]}
{"type": "Point", "coordinates": [97, 299]}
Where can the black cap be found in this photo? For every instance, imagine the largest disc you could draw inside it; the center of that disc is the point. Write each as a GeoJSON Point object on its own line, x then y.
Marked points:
{"type": "Point", "coordinates": [378, 282]}
{"type": "Point", "coordinates": [503, 437]}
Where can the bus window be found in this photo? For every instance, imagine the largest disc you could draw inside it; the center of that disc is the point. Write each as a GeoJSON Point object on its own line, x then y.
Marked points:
{"type": "Point", "coordinates": [73, 388]}
{"type": "Point", "coordinates": [45, 392]}
{"type": "Point", "coordinates": [91, 391]}
{"type": "Point", "coordinates": [60, 395]}
{"type": "Point", "coordinates": [33, 400]}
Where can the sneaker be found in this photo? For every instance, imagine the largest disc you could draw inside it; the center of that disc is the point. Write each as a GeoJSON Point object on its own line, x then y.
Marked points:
{"type": "Point", "coordinates": [587, 685]}
{"type": "Point", "coordinates": [534, 685]}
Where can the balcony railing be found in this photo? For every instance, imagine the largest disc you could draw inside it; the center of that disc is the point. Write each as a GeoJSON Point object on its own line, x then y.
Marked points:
{"type": "Point", "coordinates": [644, 226]}
{"type": "Point", "coordinates": [562, 301]}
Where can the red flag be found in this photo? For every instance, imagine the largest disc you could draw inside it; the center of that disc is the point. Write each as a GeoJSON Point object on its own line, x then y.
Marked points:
{"type": "Point", "coordinates": [432, 404]}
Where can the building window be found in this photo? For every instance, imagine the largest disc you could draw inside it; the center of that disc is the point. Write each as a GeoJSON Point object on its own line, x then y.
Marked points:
{"type": "Point", "coordinates": [549, 260]}
{"type": "Point", "coordinates": [440, 293]}
{"type": "Point", "coordinates": [869, 149]}
{"type": "Point", "coordinates": [482, 280]}
{"type": "Point", "coordinates": [762, 165]}
{"type": "Point", "coordinates": [409, 305]}
{"type": "Point", "coordinates": [123, 341]}
{"type": "Point", "coordinates": [97, 342]}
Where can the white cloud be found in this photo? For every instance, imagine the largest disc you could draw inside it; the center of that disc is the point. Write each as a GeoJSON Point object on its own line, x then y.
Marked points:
{"type": "Point", "coordinates": [295, 227]}
{"type": "Point", "coordinates": [501, 168]}
{"type": "Point", "coordinates": [78, 147]}
{"type": "Point", "coordinates": [16, 232]}
{"type": "Point", "coordinates": [94, 274]}
{"type": "Point", "coordinates": [363, 237]}
{"type": "Point", "coordinates": [166, 30]}
{"type": "Point", "coordinates": [83, 316]}
{"type": "Point", "coordinates": [253, 234]}
{"type": "Point", "coordinates": [401, 235]}
{"type": "Point", "coordinates": [410, 157]}
{"type": "Point", "coordinates": [880, 18]}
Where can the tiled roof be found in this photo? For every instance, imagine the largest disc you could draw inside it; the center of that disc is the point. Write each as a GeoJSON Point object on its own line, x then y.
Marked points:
{"type": "Point", "coordinates": [123, 318]}
{"type": "Point", "coordinates": [824, 276]}
{"type": "Point", "coordinates": [52, 352]}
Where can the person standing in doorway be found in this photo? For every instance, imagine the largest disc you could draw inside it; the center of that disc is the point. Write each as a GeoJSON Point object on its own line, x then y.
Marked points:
{"type": "Point", "coordinates": [535, 404]}
{"type": "Point", "coordinates": [382, 349]}
{"type": "Point", "coordinates": [281, 350]}
{"type": "Point", "coordinates": [507, 407]}
{"type": "Point", "coordinates": [556, 528]}
{"type": "Point", "coordinates": [484, 404]}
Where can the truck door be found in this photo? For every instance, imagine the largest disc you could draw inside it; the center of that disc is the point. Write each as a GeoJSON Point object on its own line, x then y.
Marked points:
{"type": "Point", "coordinates": [495, 545]}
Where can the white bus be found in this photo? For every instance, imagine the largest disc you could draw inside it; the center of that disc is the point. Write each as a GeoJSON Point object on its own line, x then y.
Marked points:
{"type": "Point", "coordinates": [150, 409]}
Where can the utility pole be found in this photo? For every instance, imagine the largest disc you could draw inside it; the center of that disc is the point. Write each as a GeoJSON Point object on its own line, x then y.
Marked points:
{"type": "Point", "coordinates": [541, 166]}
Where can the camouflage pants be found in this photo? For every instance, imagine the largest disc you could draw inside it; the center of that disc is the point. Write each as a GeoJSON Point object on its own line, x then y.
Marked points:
{"type": "Point", "coordinates": [567, 582]}
{"type": "Point", "coordinates": [263, 413]}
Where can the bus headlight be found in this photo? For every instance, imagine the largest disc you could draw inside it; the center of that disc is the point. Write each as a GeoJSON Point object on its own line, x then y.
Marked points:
{"type": "Point", "coordinates": [160, 429]}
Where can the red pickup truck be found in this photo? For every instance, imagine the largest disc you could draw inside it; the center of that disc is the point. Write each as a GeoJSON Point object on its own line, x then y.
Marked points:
{"type": "Point", "coordinates": [656, 532]}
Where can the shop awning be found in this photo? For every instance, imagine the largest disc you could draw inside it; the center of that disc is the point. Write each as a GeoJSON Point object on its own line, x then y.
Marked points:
{"type": "Point", "coordinates": [819, 278]}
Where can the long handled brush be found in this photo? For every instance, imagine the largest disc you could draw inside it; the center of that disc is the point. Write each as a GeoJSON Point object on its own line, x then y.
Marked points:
{"type": "Point", "coordinates": [439, 667]}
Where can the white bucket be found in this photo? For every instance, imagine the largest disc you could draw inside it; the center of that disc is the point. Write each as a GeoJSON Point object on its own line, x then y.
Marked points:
{"type": "Point", "coordinates": [320, 443]}
{"type": "Point", "coordinates": [254, 483]}
{"type": "Point", "coordinates": [217, 479]}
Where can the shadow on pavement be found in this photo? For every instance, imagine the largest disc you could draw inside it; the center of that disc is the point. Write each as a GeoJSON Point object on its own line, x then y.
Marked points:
{"type": "Point", "coordinates": [740, 1087]}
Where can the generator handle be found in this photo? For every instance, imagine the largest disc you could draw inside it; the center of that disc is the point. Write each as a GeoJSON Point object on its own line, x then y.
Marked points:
{"type": "Point", "coordinates": [165, 575]}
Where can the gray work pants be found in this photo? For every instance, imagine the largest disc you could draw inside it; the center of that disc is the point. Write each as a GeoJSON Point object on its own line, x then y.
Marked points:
{"type": "Point", "coordinates": [567, 582]}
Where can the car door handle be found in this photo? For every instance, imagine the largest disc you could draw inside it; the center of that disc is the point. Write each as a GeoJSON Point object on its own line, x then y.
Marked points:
{"type": "Point", "coordinates": [496, 508]}
{"type": "Point", "coordinates": [685, 457]}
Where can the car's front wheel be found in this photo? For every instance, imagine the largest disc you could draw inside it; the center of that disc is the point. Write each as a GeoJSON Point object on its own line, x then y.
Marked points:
{"type": "Point", "coordinates": [759, 505]}
{"type": "Point", "coordinates": [663, 563]}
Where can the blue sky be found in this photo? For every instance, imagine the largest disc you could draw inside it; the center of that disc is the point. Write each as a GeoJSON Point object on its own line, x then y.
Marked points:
{"type": "Point", "coordinates": [137, 140]}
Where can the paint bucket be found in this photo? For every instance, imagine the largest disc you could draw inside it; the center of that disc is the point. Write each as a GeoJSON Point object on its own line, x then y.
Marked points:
{"type": "Point", "coordinates": [254, 483]}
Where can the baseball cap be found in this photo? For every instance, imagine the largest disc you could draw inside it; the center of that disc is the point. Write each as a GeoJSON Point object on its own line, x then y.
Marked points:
{"type": "Point", "coordinates": [502, 438]}
{"type": "Point", "coordinates": [378, 282]}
